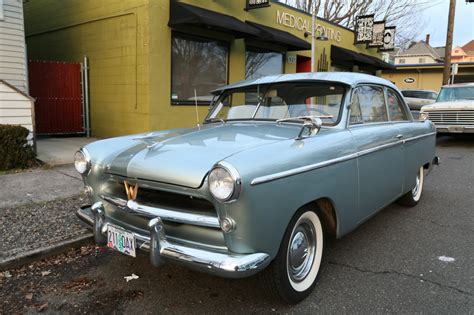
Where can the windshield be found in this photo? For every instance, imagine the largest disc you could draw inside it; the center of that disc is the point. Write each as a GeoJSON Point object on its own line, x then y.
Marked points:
{"type": "Point", "coordinates": [280, 101]}
{"type": "Point", "coordinates": [453, 94]}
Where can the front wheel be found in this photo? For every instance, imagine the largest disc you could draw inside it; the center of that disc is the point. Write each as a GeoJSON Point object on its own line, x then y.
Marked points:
{"type": "Point", "coordinates": [293, 274]}
{"type": "Point", "coordinates": [411, 198]}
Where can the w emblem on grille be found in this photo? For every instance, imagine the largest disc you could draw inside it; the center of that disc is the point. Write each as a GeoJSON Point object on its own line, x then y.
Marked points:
{"type": "Point", "coordinates": [131, 190]}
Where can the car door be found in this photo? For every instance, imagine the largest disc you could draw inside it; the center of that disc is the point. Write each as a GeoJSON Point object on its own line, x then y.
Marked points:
{"type": "Point", "coordinates": [380, 151]}
{"type": "Point", "coordinates": [410, 132]}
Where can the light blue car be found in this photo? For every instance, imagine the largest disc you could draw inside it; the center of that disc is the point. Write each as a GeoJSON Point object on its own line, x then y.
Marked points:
{"type": "Point", "coordinates": [280, 163]}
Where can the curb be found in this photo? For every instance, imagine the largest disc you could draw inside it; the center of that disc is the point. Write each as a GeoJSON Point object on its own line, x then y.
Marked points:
{"type": "Point", "coordinates": [41, 253]}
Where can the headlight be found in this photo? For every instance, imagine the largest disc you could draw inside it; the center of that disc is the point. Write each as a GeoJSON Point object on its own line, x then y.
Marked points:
{"type": "Point", "coordinates": [82, 161]}
{"type": "Point", "coordinates": [224, 182]}
{"type": "Point", "coordinates": [423, 116]}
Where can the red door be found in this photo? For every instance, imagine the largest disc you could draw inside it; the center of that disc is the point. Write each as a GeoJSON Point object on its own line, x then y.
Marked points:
{"type": "Point", "coordinates": [56, 86]}
{"type": "Point", "coordinates": [303, 64]}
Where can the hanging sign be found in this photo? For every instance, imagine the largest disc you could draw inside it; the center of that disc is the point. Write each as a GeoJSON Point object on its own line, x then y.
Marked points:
{"type": "Point", "coordinates": [378, 31]}
{"type": "Point", "coordinates": [388, 39]}
{"type": "Point", "coordinates": [364, 28]}
{"type": "Point", "coordinates": [256, 4]}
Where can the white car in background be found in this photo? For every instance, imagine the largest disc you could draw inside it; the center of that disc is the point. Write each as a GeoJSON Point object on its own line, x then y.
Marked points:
{"type": "Point", "coordinates": [415, 99]}
{"type": "Point", "coordinates": [453, 111]}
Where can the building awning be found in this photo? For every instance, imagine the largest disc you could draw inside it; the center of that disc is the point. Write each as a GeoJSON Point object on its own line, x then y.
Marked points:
{"type": "Point", "coordinates": [343, 55]}
{"type": "Point", "coordinates": [185, 15]}
{"type": "Point", "coordinates": [275, 36]}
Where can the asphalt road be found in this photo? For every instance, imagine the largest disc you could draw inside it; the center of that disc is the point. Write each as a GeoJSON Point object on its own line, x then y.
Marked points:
{"type": "Point", "coordinates": [402, 260]}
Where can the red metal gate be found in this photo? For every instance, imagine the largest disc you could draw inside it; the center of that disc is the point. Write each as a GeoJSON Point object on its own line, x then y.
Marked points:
{"type": "Point", "coordinates": [56, 86]}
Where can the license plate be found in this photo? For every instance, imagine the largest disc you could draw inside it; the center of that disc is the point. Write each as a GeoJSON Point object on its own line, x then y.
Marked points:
{"type": "Point", "coordinates": [121, 240]}
{"type": "Point", "coordinates": [456, 129]}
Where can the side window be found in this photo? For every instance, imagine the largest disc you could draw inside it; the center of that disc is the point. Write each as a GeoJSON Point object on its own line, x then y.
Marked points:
{"type": "Point", "coordinates": [395, 106]}
{"type": "Point", "coordinates": [368, 105]}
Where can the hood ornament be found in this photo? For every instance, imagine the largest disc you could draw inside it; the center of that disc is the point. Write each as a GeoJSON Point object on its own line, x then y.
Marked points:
{"type": "Point", "coordinates": [131, 190]}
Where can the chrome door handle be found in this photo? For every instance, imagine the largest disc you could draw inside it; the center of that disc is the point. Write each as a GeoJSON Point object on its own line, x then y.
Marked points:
{"type": "Point", "coordinates": [399, 136]}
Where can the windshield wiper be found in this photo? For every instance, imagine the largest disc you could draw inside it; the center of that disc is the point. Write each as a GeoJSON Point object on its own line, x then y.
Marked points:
{"type": "Point", "coordinates": [303, 118]}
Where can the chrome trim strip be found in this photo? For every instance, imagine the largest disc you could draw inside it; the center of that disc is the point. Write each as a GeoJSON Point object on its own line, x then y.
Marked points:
{"type": "Point", "coordinates": [174, 216]}
{"type": "Point", "coordinates": [299, 170]}
{"type": "Point", "coordinates": [311, 167]}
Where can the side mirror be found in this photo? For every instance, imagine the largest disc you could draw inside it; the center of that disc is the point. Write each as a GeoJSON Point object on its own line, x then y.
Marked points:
{"type": "Point", "coordinates": [310, 128]}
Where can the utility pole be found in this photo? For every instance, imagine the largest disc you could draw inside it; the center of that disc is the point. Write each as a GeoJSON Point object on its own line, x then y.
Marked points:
{"type": "Point", "coordinates": [449, 42]}
{"type": "Point", "coordinates": [313, 36]}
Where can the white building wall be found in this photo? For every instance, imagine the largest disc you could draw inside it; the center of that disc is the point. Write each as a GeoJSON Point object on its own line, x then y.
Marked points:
{"type": "Point", "coordinates": [15, 108]}
{"type": "Point", "coordinates": [12, 44]}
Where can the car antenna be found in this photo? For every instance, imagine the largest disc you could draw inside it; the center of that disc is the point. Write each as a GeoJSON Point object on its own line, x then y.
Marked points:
{"type": "Point", "coordinates": [196, 105]}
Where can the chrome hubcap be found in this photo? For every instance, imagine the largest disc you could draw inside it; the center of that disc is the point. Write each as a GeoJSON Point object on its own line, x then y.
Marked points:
{"type": "Point", "coordinates": [301, 251]}
{"type": "Point", "coordinates": [415, 190]}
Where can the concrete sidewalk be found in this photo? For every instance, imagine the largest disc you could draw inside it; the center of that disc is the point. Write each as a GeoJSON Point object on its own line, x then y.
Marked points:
{"type": "Point", "coordinates": [38, 214]}
{"type": "Point", "coordinates": [39, 185]}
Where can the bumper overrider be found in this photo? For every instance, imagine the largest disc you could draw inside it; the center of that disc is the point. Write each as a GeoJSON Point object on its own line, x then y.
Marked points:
{"type": "Point", "coordinates": [161, 250]}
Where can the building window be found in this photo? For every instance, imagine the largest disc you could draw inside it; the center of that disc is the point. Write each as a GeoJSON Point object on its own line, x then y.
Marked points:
{"type": "Point", "coordinates": [197, 64]}
{"type": "Point", "coordinates": [421, 60]}
{"type": "Point", "coordinates": [262, 63]}
{"type": "Point", "coordinates": [401, 60]}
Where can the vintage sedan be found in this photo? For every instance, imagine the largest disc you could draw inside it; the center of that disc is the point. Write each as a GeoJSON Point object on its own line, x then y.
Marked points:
{"type": "Point", "coordinates": [280, 163]}
{"type": "Point", "coordinates": [453, 111]}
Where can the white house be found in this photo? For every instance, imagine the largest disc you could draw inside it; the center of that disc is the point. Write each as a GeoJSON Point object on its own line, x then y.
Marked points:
{"type": "Point", "coordinates": [16, 107]}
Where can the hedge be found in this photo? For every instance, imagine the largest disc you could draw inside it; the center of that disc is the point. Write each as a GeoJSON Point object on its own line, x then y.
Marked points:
{"type": "Point", "coordinates": [15, 152]}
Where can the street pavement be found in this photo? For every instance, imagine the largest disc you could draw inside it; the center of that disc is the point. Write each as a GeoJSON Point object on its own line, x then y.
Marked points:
{"type": "Point", "coordinates": [403, 260]}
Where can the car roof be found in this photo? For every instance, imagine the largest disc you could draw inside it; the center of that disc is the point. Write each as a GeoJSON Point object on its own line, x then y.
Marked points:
{"type": "Point", "coordinates": [347, 78]}
{"type": "Point", "coordinates": [458, 85]}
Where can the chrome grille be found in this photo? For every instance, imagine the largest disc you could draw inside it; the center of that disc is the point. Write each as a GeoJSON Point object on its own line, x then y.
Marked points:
{"type": "Point", "coordinates": [465, 117]}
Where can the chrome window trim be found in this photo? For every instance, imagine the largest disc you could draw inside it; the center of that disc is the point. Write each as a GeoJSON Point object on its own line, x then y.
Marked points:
{"type": "Point", "coordinates": [311, 167]}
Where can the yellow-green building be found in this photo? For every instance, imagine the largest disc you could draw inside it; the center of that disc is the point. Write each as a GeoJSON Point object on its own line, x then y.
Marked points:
{"type": "Point", "coordinates": [426, 76]}
{"type": "Point", "coordinates": [148, 58]}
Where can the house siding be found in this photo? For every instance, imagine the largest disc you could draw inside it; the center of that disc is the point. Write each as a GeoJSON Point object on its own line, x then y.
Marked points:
{"type": "Point", "coordinates": [12, 45]}
{"type": "Point", "coordinates": [15, 108]}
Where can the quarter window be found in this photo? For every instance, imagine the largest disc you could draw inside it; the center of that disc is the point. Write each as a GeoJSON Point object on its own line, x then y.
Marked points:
{"type": "Point", "coordinates": [368, 105]}
{"type": "Point", "coordinates": [395, 106]}
{"type": "Point", "coordinates": [196, 63]}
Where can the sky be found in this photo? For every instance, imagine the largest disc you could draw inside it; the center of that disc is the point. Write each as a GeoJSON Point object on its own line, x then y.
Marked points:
{"type": "Point", "coordinates": [436, 22]}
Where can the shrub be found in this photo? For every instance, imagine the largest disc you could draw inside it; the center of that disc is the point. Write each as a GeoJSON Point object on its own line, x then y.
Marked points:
{"type": "Point", "coordinates": [15, 152]}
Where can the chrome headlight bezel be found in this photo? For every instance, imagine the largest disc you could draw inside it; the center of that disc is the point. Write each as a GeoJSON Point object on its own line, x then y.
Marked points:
{"type": "Point", "coordinates": [423, 116]}
{"type": "Point", "coordinates": [82, 162]}
{"type": "Point", "coordinates": [235, 178]}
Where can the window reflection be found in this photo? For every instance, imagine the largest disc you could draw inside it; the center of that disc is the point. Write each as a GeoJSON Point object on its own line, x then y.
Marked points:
{"type": "Point", "coordinates": [260, 64]}
{"type": "Point", "coordinates": [199, 64]}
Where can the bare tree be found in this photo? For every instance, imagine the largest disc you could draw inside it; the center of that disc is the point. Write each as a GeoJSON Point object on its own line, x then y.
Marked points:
{"type": "Point", "coordinates": [404, 14]}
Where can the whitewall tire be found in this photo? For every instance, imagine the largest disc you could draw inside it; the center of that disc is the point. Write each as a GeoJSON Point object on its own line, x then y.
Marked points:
{"type": "Point", "coordinates": [412, 197]}
{"type": "Point", "coordinates": [294, 272]}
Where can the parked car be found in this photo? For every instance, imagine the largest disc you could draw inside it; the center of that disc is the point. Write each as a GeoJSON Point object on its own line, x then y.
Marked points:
{"type": "Point", "coordinates": [453, 111]}
{"type": "Point", "coordinates": [280, 163]}
{"type": "Point", "coordinates": [417, 98]}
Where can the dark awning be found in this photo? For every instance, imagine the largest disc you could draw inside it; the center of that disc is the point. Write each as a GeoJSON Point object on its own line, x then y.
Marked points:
{"type": "Point", "coordinates": [346, 56]}
{"type": "Point", "coordinates": [182, 15]}
{"type": "Point", "coordinates": [274, 36]}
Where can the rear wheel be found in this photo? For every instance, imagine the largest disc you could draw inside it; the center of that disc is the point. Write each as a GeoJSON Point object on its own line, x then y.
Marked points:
{"type": "Point", "coordinates": [411, 198]}
{"type": "Point", "coordinates": [293, 274]}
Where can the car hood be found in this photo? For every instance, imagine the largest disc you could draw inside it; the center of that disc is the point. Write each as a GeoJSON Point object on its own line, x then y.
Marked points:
{"type": "Point", "coordinates": [183, 157]}
{"type": "Point", "coordinates": [458, 105]}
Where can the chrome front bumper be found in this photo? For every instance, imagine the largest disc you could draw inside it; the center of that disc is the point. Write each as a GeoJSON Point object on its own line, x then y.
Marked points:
{"type": "Point", "coordinates": [161, 250]}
